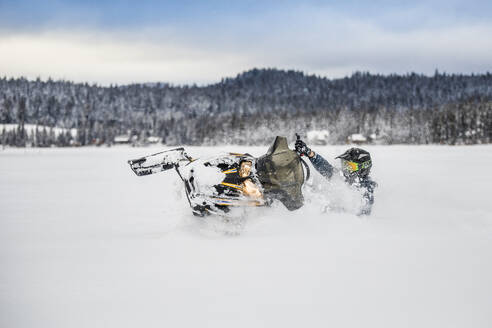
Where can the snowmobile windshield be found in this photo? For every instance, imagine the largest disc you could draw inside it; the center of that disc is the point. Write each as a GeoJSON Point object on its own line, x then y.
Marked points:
{"type": "Point", "coordinates": [281, 175]}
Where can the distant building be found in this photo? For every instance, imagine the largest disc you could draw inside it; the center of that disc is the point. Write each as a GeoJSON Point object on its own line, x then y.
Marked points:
{"type": "Point", "coordinates": [122, 139]}
{"type": "Point", "coordinates": [357, 139]}
{"type": "Point", "coordinates": [318, 137]}
{"type": "Point", "coordinates": [153, 140]}
{"type": "Point", "coordinates": [378, 138]}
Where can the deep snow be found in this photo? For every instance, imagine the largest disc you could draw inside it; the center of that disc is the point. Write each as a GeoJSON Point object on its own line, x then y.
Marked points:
{"type": "Point", "coordinates": [86, 243]}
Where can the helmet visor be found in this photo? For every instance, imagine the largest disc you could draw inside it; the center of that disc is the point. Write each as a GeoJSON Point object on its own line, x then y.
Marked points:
{"type": "Point", "coordinates": [349, 166]}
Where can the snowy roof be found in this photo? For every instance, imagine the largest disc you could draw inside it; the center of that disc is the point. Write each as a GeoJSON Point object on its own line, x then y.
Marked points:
{"type": "Point", "coordinates": [153, 139]}
{"type": "Point", "coordinates": [318, 134]}
{"type": "Point", "coordinates": [122, 138]}
{"type": "Point", "coordinates": [357, 137]}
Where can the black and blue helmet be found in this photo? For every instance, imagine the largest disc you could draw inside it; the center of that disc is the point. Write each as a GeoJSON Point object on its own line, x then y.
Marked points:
{"type": "Point", "coordinates": [356, 162]}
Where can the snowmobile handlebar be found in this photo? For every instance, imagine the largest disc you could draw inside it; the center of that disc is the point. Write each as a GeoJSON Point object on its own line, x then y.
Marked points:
{"type": "Point", "coordinates": [306, 166]}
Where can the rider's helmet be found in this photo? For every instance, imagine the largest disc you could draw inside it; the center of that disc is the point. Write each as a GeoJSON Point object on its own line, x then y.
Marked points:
{"type": "Point", "coordinates": [356, 162]}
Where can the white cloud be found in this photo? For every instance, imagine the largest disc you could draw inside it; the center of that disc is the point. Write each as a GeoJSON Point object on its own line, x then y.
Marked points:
{"type": "Point", "coordinates": [317, 42]}
{"type": "Point", "coordinates": [109, 59]}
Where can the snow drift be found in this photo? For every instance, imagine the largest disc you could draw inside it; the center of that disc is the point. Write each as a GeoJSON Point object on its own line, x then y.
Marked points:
{"type": "Point", "coordinates": [86, 243]}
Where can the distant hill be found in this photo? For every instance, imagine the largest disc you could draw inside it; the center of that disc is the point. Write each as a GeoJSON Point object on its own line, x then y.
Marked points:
{"type": "Point", "coordinates": [260, 103]}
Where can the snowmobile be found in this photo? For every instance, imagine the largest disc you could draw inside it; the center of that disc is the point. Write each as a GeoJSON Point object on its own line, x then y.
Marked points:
{"type": "Point", "coordinates": [220, 183]}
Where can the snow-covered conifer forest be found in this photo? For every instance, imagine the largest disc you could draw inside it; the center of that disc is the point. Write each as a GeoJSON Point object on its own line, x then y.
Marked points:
{"type": "Point", "coordinates": [409, 109]}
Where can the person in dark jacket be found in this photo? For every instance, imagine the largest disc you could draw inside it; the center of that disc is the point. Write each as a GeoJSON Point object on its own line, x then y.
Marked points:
{"type": "Point", "coordinates": [356, 166]}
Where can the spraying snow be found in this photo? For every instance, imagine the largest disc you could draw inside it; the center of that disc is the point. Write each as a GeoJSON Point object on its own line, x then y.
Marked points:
{"type": "Point", "coordinates": [86, 243]}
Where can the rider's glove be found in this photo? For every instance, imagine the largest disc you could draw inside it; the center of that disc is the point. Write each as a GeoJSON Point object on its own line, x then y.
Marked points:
{"type": "Point", "coordinates": [301, 148]}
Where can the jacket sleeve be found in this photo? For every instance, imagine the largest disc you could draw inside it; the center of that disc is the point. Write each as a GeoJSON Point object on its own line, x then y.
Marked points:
{"type": "Point", "coordinates": [368, 186]}
{"type": "Point", "coordinates": [322, 166]}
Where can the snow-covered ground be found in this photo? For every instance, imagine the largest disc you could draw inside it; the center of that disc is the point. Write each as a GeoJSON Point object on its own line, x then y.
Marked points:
{"type": "Point", "coordinates": [31, 129]}
{"type": "Point", "coordinates": [86, 243]}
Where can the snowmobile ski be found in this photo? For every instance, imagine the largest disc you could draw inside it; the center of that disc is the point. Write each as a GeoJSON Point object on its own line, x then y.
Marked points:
{"type": "Point", "coordinates": [159, 162]}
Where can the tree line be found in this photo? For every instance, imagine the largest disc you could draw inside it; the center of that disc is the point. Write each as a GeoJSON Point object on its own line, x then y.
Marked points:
{"type": "Point", "coordinates": [253, 107]}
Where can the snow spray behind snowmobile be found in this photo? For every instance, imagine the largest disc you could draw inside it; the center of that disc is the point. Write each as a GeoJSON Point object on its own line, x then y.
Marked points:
{"type": "Point", "coordinates": [216, 184]}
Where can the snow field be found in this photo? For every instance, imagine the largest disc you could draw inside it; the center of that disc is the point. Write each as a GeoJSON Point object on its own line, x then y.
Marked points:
{"type": "Point", "coordinates": [86, 243]}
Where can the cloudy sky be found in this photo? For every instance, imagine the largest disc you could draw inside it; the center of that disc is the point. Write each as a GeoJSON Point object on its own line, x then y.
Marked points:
{"type": "Point", "coordinates": [182, 42]}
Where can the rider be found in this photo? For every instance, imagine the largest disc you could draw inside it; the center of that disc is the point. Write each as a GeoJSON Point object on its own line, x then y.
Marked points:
{"type": "Point", "coordinates": [356, 165]}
